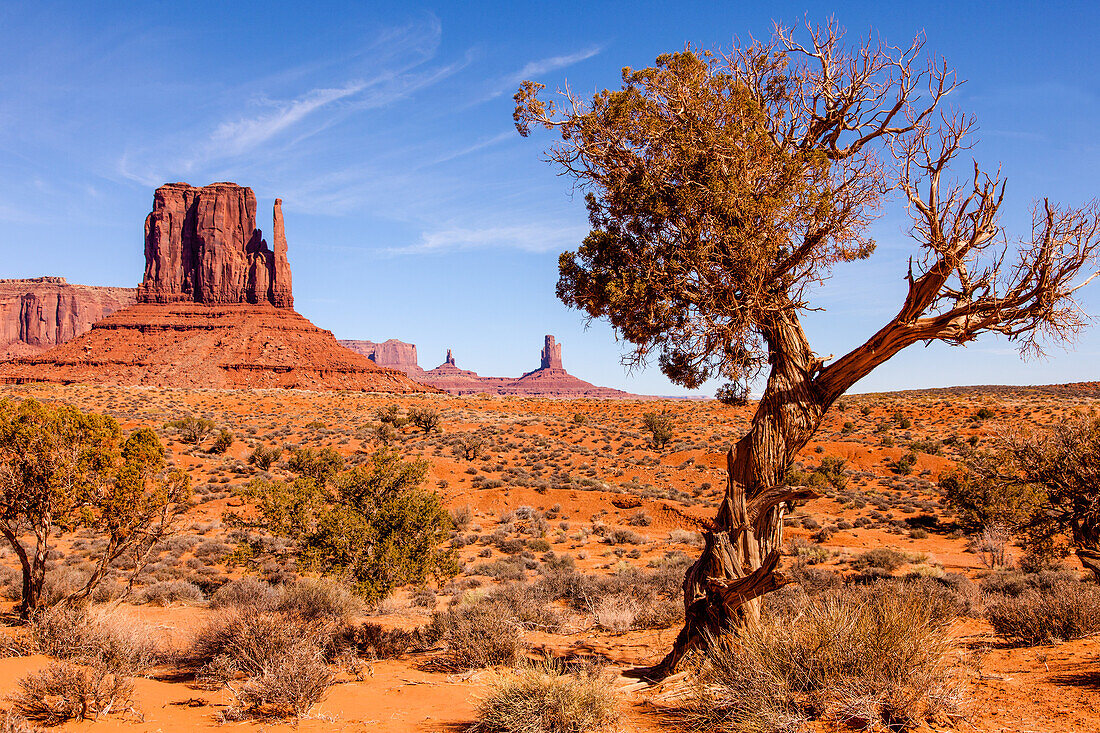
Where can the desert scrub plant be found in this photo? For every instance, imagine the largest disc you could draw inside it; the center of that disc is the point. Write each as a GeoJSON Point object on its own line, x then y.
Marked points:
{"type": "Point", "coordinates": [866, 660]}
{"type": "Point", "coordinates": [425, 418]}
{"type": "Point", "coordinates": [167, 592]}
{"type": "Point", "coordinates": [245, 592]}
{"type": "Point", "coordinates": [883, 558]}
{"type": "Point", "coordinates": [478, 634]}
{"type": "Point", "coordinates": [222, 443]}
{"type": "Point", "coordinates": [659, 425]}
{"type": "Point", "coordinates": [191, 429]}
{"type": "Point", "coordinates": [100, 637]}
{"type": "Point", "coordinates": [263, 456]}
{"type": "Point", "coordinates": [62, 692]}
{"type": "Point", "coordinates": [375, 525]}
{"type": "Point", "coordinates": [287, 688]}
{"type": "Point", "coordinates": [545, 697]}
{"type": "Point", "coordinates": [1060, 611]}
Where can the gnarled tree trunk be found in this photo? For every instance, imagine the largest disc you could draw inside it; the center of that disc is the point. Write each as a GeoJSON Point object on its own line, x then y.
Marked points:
{"type": "Point", "coordinates": [742, 549]}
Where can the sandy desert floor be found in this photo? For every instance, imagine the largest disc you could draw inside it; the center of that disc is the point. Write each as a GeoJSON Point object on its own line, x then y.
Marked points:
{"type": "Point", "coordinates": [584, 471]}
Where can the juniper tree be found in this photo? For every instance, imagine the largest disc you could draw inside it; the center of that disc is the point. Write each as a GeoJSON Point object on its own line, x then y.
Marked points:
{"type": "Point", "coordinates": [721, 188]}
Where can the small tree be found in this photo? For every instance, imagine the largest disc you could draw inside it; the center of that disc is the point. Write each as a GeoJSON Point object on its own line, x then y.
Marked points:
{"type": "Point", "coordinates": [61, 468]}
{"type": "Point", "coordinates": [376, 525]}
{"type": "Point", "coordinates": [192, 429]}
{"type": "Point", "coordinates": [424, 418]}
{"type": "Point", "coordinates": [1045, 485]}
{"type": "Point", "coordinates": [659, 425]}
{"type": "Point", "coordinates": [722, 188]}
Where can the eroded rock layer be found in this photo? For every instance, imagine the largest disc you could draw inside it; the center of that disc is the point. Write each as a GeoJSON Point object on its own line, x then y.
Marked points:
{"type": "Point", "coordinates": [39, 313]}
{"type": "Point", "coordinates": [198, 345]}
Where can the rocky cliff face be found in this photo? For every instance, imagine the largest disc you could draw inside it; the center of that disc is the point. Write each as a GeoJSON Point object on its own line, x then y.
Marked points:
{"type": "Point", "coordinates": [39, 313]}
{"type": "Point", "coordinates": [202, 246]}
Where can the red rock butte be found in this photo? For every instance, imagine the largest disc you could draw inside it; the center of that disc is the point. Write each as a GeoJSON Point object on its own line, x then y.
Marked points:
{"type": "Point", "coordinates": [215, 309]}
{"type": "Point", "coordinates": [549, 380]}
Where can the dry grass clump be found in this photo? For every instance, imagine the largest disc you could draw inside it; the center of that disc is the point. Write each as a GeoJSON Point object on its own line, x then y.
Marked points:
{"type": "Point", "coordinates": [62, 692]}
{"type": "Point", "coordinates": [1058, 612]}
{"type": "Point", "coordinates": [97, 637]}
{"type": "Point", "coordinates": [543, 697]}
{"type": "Point", "coordinates": [861, 659]}
{"type": "Point", "coordinates": [478, 634]}
{"type": "Point", "coordinates": [288, 687]}
{"type": "Point", "coordinates": [282, 658]}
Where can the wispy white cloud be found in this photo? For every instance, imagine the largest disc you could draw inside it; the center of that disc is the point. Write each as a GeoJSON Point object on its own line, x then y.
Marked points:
{"type": "Point", "coordinates": [242, 135]}
{"type": "Point", "coordinates": [539, 67]}
{"type": "Point", "coordinates": [525, 237]}
{"type": "Point", "coordinates": [480, 145]}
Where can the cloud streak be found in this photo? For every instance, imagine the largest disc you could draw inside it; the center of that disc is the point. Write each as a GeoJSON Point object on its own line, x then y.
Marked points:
{"type": "Point", "coordinates": [536, 238]}
{"type": "Point", "coordinates": [542, 66]}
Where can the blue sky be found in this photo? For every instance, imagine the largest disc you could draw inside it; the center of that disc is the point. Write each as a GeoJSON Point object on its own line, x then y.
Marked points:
{"type": "Point", "coordinates": [413, 208]}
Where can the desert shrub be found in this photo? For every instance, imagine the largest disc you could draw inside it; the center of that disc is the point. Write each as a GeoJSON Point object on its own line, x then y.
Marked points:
{"type": "Point", "coordinates": [425, 418]}
{"type": "Point", "coordinates": [1058, 612]}
{"type": "Point", "coordinates": [287, 688]}
{"type": "Point", "coordinates": [616, 613]}
{"type": "Point", "coordinates": [543, 697]}
{"type": "Point", "coordinates": [375, 525]}
{"type": "Point", "coordinates": [62, 692]}
{"type": "Point", "coordinates": [639, 519]}
{"type": "Point", "coordinates": [167, 592]}
{"type": "Point", "coordinates": [245, 592]}
{"type": "Point", "coordinates": [478, 635]}
{"type": "Point", "coordinates": [103, 638]}
{"type": "Point", "coordinates": [263, 457]}
{"type": "Point", "coordinates": [623, 536]}
{"type": "Point", "coordinates": [685, 537]}
{"type": "Point", "coordinates": [883, 558]}
{"type": "Point", "coordinates": [222, 443]}
{"type": "Point", "coordinates": [1015, 582]}
{"type": "Point", "coordinates": [191, 429]}
{"type": "Point", "coordinates": [529, 604]}
{"type": "Point", "coordinates": [866, 660]}
{"type": "Point", "coordinates": [319, 599]}
{"type": "Point", "coordinates": [375, 642]}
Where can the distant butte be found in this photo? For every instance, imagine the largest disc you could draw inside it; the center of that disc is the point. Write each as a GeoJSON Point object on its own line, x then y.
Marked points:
{"type": "Point", "coordinates": [41, 312]}
{"type": "Point", "coordinates": [549, 380]}
{"type": "Point", "coordinates": [215, 309]}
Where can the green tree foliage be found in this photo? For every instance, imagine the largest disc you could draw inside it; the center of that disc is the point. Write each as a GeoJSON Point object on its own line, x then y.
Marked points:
{"type": "Point", "coordinates": [375, 525]}
{"type": "Point", "coordinates": [61, 468]}
{"type": "Point", "coordinates": [981, 498]}
{"type": "Point", "coordinates": [1045, 486]}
